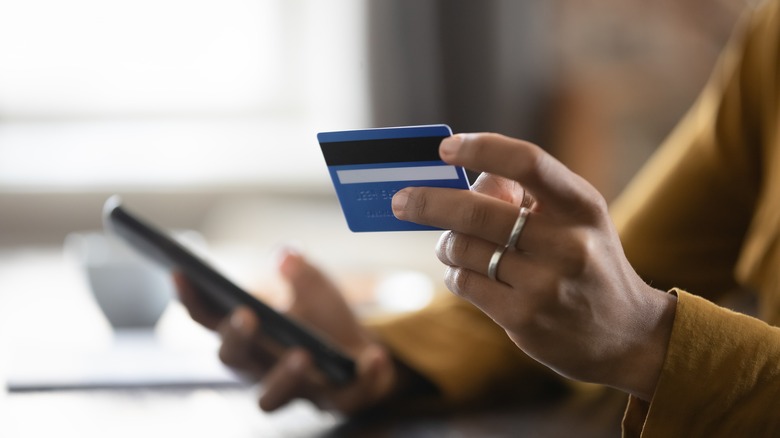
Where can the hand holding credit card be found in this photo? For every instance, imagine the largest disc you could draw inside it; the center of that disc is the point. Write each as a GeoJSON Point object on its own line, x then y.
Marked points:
{"type": "Point", "coordinates": [368, 166]}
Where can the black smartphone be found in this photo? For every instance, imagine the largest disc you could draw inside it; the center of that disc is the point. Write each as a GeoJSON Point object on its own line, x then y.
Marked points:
{"type": "Point", "coordinates": [160, 247]}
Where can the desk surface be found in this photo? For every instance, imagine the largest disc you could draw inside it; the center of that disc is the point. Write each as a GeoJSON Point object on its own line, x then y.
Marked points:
{"type": "Point", "coordinates": [233, 412]}
{"type": "Point", "coordinates": [68, 320]}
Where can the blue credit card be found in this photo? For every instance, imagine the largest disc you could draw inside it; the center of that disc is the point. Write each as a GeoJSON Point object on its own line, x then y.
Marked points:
{"type": "Point", "coordinates": [369, 166]}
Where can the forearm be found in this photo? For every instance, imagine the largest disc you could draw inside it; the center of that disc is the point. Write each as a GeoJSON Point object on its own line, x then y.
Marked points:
{"type": "Point", "coordinates": [462, 353]}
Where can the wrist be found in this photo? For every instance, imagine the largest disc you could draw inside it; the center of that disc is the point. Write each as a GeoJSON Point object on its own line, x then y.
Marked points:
{"type": "Point", "coordinates": [642, 367]}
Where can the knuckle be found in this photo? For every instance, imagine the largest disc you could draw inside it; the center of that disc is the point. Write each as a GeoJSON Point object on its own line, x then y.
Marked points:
{"type": "Point", "coordinates": [594, 205]}
{"type": "Point", "coordinates": [589, 205]}
{"type": "Point", "coordinates": [475, 217]}
{"type": "Point", "coordinates": [417, 205]}
{"type": "Point", "coordinates": [227, 355]}
{"type": "Point", "coordinates": [536, 166]}
{"type": "Point", "coordinates": [441, 247]}
{"type": "Point", "coordinates": [457, 248]}
{"type": "Point", "coordinates": [531, 165]}
{"type": "Point", "coordinates": [459, 281]}
{"type": "Point", "coordinates": [577, 252]}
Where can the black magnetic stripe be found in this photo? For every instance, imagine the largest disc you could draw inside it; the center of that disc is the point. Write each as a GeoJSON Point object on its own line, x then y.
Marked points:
{"type": "Point", "coordinates": [390, 150]}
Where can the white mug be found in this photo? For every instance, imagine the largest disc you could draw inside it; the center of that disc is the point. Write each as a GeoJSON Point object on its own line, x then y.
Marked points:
{"type": "Point", "coordinates": [131, 291]}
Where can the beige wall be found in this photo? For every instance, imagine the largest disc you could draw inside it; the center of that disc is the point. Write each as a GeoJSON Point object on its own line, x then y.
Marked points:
{"type": "Point", "coordinates": [45, 218]}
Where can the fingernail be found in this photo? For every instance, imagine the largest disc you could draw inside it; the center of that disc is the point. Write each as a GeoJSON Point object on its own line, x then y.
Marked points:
{"type": "Point", "coordinates": [284, 258]}
{"type": "Point", "coordinates": [450, 146]}
{"type": "Point", "coordinates": [238, 321]}
{"type": "Point", "coordinates": [289, 248]}
{"type": "Point", "coordinates": [296, 362]}
{"type": "Point", "coordinates": [399, 201]}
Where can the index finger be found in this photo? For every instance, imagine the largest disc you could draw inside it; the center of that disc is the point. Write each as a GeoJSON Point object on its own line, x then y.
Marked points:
{"type": "Point", "coordinates": [546, 178]}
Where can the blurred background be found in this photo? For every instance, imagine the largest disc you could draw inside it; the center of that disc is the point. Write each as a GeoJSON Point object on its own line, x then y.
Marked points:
{"type": "Point", "coordinates": [189, 104]}
{"type": "Point", "coordinates": [203, 115]}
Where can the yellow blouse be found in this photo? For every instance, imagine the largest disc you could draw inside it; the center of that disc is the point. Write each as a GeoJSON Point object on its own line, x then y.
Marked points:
{"type": "Point", "coordinates": [703, 216]}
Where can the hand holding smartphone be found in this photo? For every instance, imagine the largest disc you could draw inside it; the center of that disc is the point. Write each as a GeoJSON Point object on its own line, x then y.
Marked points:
{"type": "Point", "coordinates": [160, 247]}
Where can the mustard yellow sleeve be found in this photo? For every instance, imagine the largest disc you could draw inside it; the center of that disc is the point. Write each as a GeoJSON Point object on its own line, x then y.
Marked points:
{"type": "Point", "coordinates": [466, 355]}
{"type": "Point", "coordinates": [684, 217]}
{"type": "Point", "coordinates": [721, 377]}
{"type": "Point", "coordinates": [683, 223]}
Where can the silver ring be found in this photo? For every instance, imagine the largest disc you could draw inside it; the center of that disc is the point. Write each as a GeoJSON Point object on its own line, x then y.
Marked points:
{"type": "Point", "coordinates": [494, 260]}
{"type": "Point", "coordinates": [518, 228]}
{"type": "Point", "coordinates": [527, 200]}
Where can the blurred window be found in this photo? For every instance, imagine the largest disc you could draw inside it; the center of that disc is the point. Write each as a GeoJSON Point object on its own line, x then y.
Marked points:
{"type": "Point", "coordinates": [161, 93]}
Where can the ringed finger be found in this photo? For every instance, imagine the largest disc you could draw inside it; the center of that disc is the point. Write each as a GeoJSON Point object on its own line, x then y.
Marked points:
{"type": "Point", "coordinates": [459, 210]}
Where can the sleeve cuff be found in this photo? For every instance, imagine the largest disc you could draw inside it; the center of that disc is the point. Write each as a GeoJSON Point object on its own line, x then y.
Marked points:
{"type": "Point", "coordinates": [720, 376]}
